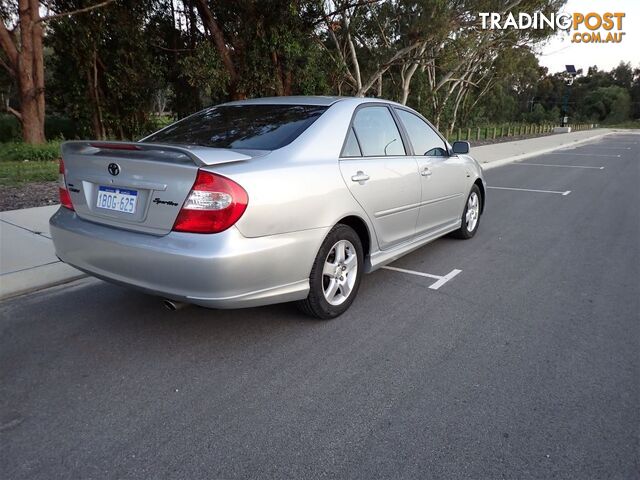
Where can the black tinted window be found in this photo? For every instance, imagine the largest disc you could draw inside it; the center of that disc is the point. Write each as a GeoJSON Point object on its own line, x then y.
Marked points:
{"type": "Point", "coordinates": [424, 139]}
{"type": "Point", "coordinates": [259, 127]}
{"type": "Point", "coordinates": [377, 132]}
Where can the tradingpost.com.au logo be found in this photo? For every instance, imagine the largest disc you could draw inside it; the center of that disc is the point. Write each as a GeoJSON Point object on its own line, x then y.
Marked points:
{"type": "Point", "coordinates": [584, 27]}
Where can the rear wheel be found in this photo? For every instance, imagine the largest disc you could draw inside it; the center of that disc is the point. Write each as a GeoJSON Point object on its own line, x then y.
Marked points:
{"type": "Point", "coordinates": [471, 215]}
{"type": "Point", "coordinates": [336, 274]}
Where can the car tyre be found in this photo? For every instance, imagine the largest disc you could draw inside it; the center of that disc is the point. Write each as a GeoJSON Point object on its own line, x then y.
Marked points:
{"type": "Point", "coordinates": [335, 275]}
{"type": "Point", "coordinates": [470, 215]}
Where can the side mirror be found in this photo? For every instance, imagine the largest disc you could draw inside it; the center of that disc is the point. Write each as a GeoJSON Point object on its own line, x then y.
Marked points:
{"type": "Point", "coordinates": [461, 148]}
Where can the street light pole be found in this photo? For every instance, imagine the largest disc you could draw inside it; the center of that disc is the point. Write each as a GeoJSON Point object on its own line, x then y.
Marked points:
{"type": "Point", "coordinates": [572, 73]}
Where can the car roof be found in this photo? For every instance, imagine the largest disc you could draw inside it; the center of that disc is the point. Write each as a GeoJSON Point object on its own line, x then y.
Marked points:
{"type": "Point", "coordinates": [303, 100]}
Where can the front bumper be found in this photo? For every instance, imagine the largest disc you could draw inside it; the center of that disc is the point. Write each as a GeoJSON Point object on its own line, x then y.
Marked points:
{"type": "Point", "coordinates": [223, 270]}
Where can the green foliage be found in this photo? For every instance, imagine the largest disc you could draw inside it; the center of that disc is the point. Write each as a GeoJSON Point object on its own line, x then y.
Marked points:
{"type": "Point", "coordinates": [23, 152]}
{"type": "Point", "coordinates": [597, 96]}
{"type": "Point", "coordinates": [608, 105]}
{"type": "Point", "coordinates": [125, 70]}
{"type": "Point", "coordinates": [203, 69]}
{"type": "Point", "coordinates": [104, 72]}
{"type": "Point", "coordinates": [55, 127]}
{"type": "Point", "coordinates": [539, 115]}
{"type": "Point", "coordinates": [9, 128]}
{"type": "Point", "coordinates": [633, 124]}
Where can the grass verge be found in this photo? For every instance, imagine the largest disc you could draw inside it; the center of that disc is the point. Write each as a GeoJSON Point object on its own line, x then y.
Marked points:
{"type": "Point", "coordinates": [18, 173]}
{"type": "Point", "coordinates": [22, 163]}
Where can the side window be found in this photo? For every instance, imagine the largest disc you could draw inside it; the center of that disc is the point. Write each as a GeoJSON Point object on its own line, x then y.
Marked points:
{"type": "Point", "coordinates": [377, 132]}
{"type": "Point", "coordinates": [424, 139]}
{"type": "Point", "coordinates": [436, 152]}
{"type": "Point", "coordinates": [351, 147]}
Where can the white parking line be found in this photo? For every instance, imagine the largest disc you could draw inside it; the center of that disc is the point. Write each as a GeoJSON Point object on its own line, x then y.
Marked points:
{"type": "Point", "coordinates": [583, 154]}
{"type": "Point", "coordinates": [608, 148]}
{"type": "Point", "coordinates": [441, 280]}
{"type": "Point", "coordinates": [560, 166]}
{"type": "Point", "coordinates": [565, 193]}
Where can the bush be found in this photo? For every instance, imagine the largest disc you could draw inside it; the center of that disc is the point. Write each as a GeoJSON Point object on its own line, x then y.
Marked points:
{"type": "Point", "coordinates": [20, 152]}
{"type": "Point", "coordinates": [55, 127]}
{"type": "Point", "coordinates": [9, 128]}
{"type": "Point", "coordinates": [635, 124]}
{"type": "Point", "coordinates": [60, 128]}
{"type": "Point", "coordinates": [608, 105]}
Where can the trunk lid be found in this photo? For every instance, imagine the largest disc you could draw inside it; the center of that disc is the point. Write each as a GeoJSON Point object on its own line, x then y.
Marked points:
{"type": "Point", "coordinates": [136, 186]}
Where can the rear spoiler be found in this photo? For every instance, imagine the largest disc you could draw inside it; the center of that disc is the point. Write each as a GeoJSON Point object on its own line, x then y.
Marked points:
{"type": "Point", "coordinates": [200, 156]}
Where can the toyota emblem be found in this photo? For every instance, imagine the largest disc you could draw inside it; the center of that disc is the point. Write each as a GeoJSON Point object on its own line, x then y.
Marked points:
{"type": "Point", "coordinates": [114, 169]}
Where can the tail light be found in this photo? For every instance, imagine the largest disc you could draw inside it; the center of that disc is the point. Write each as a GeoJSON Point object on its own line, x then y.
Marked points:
{"type": "Point", "coordinates": [65, 198]}
{"type": "Point", "coordinates": [214, 204]}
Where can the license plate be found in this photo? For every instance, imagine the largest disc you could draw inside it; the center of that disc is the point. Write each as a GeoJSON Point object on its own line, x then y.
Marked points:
{"type": "Point", "coordinates": [118, 199]}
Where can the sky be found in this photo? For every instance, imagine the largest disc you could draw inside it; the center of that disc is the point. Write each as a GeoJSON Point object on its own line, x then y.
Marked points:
{"type": "Point", "coordinates": [559, 51]}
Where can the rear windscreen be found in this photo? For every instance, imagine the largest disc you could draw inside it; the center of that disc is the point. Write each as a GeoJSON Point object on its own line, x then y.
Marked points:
{"type": "Point", "coordinates": [258, 127]}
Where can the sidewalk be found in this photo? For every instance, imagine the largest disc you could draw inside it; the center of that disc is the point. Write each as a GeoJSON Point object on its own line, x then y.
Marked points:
{"type": "Point", "coordinates": [27, 258]}
{"type": "Point", "coordinates": [498, 154]}
{"type": "Point", "coordinates": [28, 261]}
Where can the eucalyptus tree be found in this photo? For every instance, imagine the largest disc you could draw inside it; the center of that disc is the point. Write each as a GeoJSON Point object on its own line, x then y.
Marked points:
{"type": "Point", "coordinates": [263, 47]}
{"type": "Point", "coordinates": [440, 41]}
{"type": "Point", "coordinates": [22, 29]}
{"type": "Point", "coordinates": [105, 69]}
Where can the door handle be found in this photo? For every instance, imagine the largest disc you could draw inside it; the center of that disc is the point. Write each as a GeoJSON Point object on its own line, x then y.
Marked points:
{"type": "Point", "coordinates": [360, 177]}
{"type": "Point", "coordinates": [425, 172]}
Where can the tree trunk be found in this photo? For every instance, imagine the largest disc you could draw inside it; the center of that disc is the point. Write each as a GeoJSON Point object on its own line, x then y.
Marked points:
{"type": "Point", "coordinates": [94, 96]}
{"type": "Point", "coordinates": [216, 37]}
{"type": "Point", "coordinates": [407, 71]}
{"type": "Point", "coordinates": [30, 74]}
{"type": "Point", "coordinates": [283, 75]}
{"type": "Point", "coordinates": [353, 54]}
{"type": "Point", "coordinates": [38, 62]}
{"type": "Point", "coordinates": [25, 63]}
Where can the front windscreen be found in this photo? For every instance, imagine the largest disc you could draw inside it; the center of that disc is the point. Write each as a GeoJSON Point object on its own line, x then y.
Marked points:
{"type": "Point", "coordinates": [255, 127]}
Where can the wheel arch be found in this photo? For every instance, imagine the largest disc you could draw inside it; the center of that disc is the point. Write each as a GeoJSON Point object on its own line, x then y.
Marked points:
{"type": "Point", "coordinates": [361, 228]}
{"type": "Point", "coordinates": [480, 185]}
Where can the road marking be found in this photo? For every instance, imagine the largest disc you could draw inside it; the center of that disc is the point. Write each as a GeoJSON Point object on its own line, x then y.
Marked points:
{"type": "Point", "coordinates": [565, 193]}
{"type": "Point", "coordinates": [560, 166]}
{"type": "Point", "coordinates": [441, 280]}
{"type": "Point", "coordinates": [583, 154]}
{"type": "Point", "coordinates": [605, 146]}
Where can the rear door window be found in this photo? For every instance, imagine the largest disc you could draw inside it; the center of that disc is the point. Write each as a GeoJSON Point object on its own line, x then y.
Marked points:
{"type": "Point", "coordinates": [377, 132]}
{"type": "Point", "coordinates": [255, 127]}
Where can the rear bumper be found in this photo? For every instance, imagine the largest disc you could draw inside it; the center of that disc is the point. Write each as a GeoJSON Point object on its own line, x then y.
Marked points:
{"type": "Point", "coordinates": [223, 270]}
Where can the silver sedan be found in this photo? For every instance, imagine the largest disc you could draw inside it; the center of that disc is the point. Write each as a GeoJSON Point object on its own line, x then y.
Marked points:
{"type": "Point", "coordinates": [263, 201]}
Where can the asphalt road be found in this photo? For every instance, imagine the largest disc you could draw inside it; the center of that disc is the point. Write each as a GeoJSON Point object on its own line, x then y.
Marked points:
{"type": "Point", "coordinates": [525, 365]}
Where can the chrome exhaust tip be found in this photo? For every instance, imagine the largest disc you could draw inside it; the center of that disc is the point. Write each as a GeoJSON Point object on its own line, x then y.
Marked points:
{"type": "Point", "coordinates": [172, 305]}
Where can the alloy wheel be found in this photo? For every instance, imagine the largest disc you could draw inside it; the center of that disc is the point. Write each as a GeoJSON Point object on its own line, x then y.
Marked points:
{"type": "Point", "coordinates": [339, 272]}
{"type": "Point", "coordinates": [473, 211]}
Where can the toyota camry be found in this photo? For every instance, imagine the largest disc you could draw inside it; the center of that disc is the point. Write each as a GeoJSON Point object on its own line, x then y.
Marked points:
{"type": "Point", "coordinates": [263, 201]}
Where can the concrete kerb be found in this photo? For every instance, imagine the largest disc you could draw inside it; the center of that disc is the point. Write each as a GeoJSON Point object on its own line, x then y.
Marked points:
{"type": "Point", "coordinates": [523, 156]}
{"type": "Point", "coordinates": [38, 278]}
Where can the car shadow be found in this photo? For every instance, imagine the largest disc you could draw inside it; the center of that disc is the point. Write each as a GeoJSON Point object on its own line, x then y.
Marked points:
{"type": "Point", "coordinates": [99, 311]}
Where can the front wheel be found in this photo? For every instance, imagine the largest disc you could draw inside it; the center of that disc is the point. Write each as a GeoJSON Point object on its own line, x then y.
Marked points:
{"type": "Point", "coordinates": [471, 215]}
{"type": "Point", "coordinates": [335, 276]}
